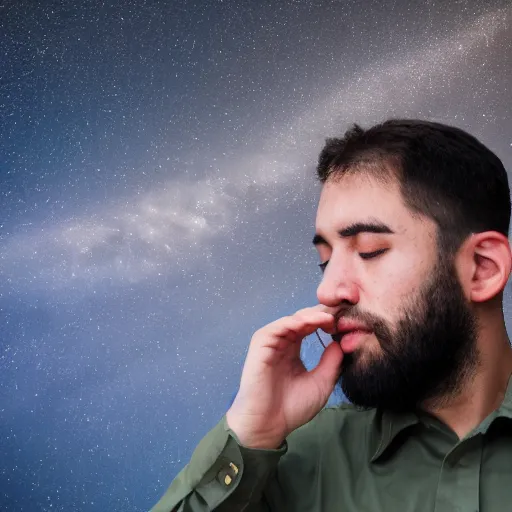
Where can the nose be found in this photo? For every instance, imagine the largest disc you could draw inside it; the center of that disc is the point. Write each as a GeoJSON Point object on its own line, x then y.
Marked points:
{"type": "Point", "coordinates": [338, 286]}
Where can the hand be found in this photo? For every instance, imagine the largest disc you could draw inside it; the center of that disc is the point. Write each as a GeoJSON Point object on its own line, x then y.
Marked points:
{"type": "Point", "coordinates": [277, 394]}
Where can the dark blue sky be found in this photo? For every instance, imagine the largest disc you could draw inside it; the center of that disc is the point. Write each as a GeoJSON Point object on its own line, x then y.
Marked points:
{"type": "Point", "coordinates": [157, 206]}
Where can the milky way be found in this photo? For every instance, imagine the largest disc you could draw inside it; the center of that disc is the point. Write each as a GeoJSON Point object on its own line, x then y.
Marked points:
{"type": "Point", "coordinates": [158, 201]}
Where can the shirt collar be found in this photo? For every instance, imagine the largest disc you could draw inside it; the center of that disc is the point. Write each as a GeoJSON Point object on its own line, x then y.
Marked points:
{"type": "Point", "coordinates": [503, 411]}
{"type": "Point", "coordinates": [387, 425]}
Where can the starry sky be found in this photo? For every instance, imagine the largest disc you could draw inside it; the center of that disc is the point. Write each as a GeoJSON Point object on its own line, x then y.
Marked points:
{"type": "Point", "coordinates": [158, 200]}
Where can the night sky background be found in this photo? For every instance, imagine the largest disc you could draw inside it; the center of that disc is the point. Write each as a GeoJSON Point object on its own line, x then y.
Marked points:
{"type": "Point", "coordinates": [158, 201]}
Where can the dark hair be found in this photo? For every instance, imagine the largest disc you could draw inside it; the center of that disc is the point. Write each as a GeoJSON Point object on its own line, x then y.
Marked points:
{"type": "Point", "coordinates": [444, 174]}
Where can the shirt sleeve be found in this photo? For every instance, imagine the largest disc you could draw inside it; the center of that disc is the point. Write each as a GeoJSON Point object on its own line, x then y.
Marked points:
{"type": "Point", "coordinates": [222, 475]}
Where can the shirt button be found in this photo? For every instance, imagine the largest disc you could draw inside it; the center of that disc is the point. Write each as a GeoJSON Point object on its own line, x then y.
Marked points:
{"type": "Point", "coordinates": [228, 474]}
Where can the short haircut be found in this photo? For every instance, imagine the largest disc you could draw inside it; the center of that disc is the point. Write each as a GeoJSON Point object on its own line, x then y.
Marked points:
{"type": "Point", "coordinates": [444, 173]}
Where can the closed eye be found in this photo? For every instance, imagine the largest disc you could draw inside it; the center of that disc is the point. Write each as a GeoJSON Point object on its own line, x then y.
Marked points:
{"type": "Point", "coordinates": [370, 255]}
{"type": "Point", "coordinates": [364, 256]}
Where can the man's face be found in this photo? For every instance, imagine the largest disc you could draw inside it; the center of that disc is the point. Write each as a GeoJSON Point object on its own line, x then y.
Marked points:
{"type": "Point", "coordinates": [422, 339]}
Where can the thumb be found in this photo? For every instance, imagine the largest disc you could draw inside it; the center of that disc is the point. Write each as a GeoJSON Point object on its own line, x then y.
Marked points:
{"type": "Point", "coordinates": [328, 368]}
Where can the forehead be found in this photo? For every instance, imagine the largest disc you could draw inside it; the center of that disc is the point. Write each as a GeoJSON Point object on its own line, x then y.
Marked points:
{"type": "Point", "coordinates": [357, 197]}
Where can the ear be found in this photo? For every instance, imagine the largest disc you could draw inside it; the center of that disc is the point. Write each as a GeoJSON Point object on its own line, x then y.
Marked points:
{"type": "Point", "coordinates": [484, 266]}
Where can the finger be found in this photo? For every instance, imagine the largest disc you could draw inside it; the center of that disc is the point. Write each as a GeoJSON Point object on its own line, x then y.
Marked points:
{"type": "Point", "coordinates": [317, 307]}
{"type": "Point", "coordinates": [327, 371]}
{"type": "Point", "coordinates": [330, 329]}
{"type": "Point", "coordinates": [325, 309]}
{"type": "Point", "coordinates": [303, 324]}
{"type": "Point", "coordinates": [290, 324]}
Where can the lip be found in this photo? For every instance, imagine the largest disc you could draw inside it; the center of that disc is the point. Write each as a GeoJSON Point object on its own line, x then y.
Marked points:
{"type": "Point", "coordinates": [350, 334]}
{"type": "Point", "coordinates": [345, 325]}
{"type": "Point", "coordinates": [352, 340]}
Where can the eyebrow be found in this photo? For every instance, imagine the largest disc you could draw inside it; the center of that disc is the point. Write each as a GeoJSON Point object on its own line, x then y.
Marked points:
{"type": "Point", "coordinates": [354, 230]}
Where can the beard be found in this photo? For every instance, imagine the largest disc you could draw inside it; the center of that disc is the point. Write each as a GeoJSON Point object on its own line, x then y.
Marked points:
{"type": "Point", "coordinates": [427, 358]}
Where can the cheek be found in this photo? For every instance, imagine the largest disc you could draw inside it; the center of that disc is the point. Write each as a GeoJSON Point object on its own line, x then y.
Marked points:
{"type": "Point", "coordinates": [391, 289]}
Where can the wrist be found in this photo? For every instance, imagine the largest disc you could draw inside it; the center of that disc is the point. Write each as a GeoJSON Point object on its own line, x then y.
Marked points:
{"type": "Point", "coordinates": [253, 440]}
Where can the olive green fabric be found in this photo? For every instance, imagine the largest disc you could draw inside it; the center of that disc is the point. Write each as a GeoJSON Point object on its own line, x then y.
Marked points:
{"type": "Point", "coordinates": [352, 460]}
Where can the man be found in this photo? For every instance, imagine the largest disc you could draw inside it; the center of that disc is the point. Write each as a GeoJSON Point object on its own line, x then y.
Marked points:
{"type": "Point", "coordinates": [412, 233]}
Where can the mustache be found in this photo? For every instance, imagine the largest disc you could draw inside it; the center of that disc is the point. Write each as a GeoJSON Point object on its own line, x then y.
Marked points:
{"type": "Point", "coordinates": [356, 316]}
{"type": "Point", "coordinates": [377, 325]}
{"type": "Point", "coordinates": [352, 316]}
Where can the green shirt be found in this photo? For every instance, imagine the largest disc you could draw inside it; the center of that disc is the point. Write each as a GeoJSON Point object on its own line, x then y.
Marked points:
{"type": "Point", "coordinates": [353, 460]}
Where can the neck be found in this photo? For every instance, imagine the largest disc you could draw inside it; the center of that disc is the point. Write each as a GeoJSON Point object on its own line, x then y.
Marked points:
{"type": "Point", "coordinates": [482, 393]}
